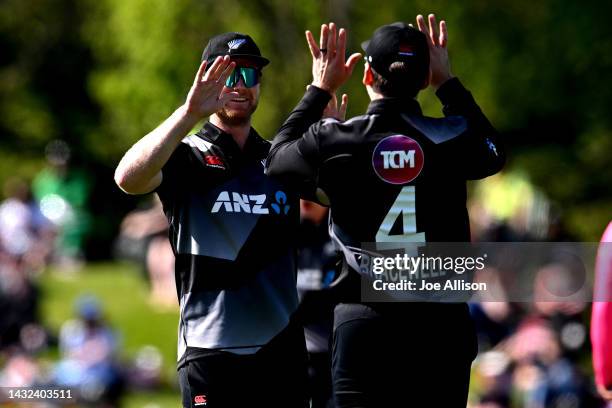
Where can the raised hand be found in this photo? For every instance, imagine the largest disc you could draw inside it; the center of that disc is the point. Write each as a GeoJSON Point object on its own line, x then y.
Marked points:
{"type": "Point", "coordinates": [330, 69]}
{"type": "Point", "coordinates": [437, 39]}
{"type": "Point", "coordinates": [332, 110]}
{"type": "Point", "coordinates": [205, 96]}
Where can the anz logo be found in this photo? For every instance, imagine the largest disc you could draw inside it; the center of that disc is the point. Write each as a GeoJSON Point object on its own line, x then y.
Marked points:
{"type": "Point", "coordinates": [250, 203]}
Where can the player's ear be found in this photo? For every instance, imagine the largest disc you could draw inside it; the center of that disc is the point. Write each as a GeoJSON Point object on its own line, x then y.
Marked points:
{"type": "Point", "coordinates": [368, 76]}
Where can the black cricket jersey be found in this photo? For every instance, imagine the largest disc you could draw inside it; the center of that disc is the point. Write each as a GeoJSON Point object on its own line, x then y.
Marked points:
{"type": "Point", "coordinates": [389, 161]}
{"type": "Point", "coordinates": [391, 175]}
{"type": "Point", "coordinates": [232, 230]}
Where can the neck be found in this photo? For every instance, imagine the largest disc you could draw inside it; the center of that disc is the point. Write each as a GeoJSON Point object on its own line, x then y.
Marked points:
{"type": "Point", "coordinates": [373, 94]}
{"type": "Point", "coordinates": [239, 133]}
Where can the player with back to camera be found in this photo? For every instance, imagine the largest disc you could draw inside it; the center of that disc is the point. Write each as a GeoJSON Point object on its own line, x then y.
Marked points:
{"type": "Point", "coordinates": [392, 354]}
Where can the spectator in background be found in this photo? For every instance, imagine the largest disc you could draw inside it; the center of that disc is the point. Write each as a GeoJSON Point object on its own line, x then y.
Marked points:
{"type": "Point", "coordinates": [529, 369]}
{"type": "Point", "coordinates": [62, 193]}
{"type": "Point", "coordinates": [559, 298]}
{"type": "Point", "coordinates": [143, 237]}
{"type": "Point", "coordinates": [26, 236]}
{"type": "Point", "coordinates": [25, 243]}
{"type": "Point", "coordinates": [535, 364]}
{"type": "Point", "coordinates": [543, 374]}
{"type": "Point", "coordinates": [20, 370]}
{"type": "Point", "coordinates": [88, 346]}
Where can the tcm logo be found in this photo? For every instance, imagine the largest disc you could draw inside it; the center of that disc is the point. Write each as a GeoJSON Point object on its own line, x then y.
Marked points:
{"type": "Point", "coordinates": [250, 203]}
{"type": "Point", "coordinates": [398, 159]}
{"type": "Point", "coordinates": [199, 400]}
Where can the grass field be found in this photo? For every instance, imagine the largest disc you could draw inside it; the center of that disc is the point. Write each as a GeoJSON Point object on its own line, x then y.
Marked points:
{"type": "Point", "coordinates": [124, 297]}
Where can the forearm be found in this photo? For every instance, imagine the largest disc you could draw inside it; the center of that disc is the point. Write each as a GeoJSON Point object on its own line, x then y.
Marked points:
{"type": "Point", "coordinates": [457, 100]}
{"type": "Point", "coordinates": [482, 143]}
{"type": "Point", "coordinates": [308, 111]}
{"type": "Point", "coordinates": [295, 148]}
{"type": "Point", "coordinates": [139, 171]}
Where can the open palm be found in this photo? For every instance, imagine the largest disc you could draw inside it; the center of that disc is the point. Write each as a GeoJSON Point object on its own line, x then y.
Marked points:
{"type": "Point", "coordinates": [205, 96]}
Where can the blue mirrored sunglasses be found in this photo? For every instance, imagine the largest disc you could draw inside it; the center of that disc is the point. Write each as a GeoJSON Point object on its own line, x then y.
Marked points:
{"type": "Point", "coordinates": [250, 77]}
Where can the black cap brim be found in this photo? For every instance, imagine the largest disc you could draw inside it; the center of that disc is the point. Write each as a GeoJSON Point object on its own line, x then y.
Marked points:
{"type": "Point", "coordinates": [259, 61]}
{"type": "Point", "coordinates": [364, 45]}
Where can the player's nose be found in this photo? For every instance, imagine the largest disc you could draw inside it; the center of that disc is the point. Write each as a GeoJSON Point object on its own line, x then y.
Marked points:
{"type": "Point", "coordinates": [240, 83]}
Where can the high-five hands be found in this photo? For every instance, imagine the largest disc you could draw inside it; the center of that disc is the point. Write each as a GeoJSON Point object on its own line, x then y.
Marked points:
{"type": "Point", "coordinates": [439, 64]}
{"type": "Point", "coordinates": [330, 69]}
{"type": "Point", "coordinates": [205, 97]}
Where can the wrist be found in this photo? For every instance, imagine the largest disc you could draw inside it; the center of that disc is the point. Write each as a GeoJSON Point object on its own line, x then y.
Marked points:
{"type": "Point", "coordinates": [324, 87]}
{"type": "Point", "coordinates": [450, 91]}
{"type": "Point", "coordinates": [186, 119]}
{"type": "Point", "coordinates": [187, 115]}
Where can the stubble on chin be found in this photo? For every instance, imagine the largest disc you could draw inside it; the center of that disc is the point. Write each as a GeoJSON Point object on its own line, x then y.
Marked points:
{"type": "Point", "coordinates": [233, 118]}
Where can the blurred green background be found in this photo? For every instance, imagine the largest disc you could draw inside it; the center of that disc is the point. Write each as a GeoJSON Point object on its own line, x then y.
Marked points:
{"type": "Point", "coordinates": [100, 74]}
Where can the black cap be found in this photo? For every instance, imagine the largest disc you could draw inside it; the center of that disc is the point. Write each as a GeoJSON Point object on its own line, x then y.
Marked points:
{"type": "Point", "coordinates": [396, 42]}
{"type": "Point", "coordinates": [235, 45]}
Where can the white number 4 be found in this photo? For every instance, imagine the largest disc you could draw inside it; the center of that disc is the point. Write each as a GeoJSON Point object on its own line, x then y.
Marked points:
{"type": "Point", "coordinates": [401, 220]}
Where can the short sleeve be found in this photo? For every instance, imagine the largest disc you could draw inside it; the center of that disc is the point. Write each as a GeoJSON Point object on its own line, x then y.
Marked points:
{"type": "Point", "coordinates": [174, 174]}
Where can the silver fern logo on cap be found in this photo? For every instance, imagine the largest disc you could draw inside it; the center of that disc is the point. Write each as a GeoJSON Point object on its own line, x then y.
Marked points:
{"type": "Point", "coordinates": [234, 44]}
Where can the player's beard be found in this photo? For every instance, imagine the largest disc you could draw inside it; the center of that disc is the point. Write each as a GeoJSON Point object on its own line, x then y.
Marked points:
{"type": "Point", "coordinates": [237, 118]}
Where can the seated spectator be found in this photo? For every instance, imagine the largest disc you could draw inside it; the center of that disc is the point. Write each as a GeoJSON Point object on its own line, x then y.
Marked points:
{"type": "Point", "coordinates": [88, 346]}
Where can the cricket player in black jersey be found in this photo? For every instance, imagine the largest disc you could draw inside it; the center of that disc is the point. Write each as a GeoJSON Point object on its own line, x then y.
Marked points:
{"type": "Point", "coordinates": [232, 232]}
{"type": "Point", "coordinates": [392, 163]}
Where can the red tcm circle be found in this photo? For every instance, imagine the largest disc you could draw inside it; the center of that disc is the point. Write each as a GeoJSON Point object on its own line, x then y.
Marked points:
{"type": "Point", "coordinates": [398, 159]}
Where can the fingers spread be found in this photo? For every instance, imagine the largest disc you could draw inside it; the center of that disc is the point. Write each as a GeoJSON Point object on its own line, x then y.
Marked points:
{"type": "Point", "coordinates": [226, 72]}
{"type": "Point", "coordinates": [312, 45]}
{"type": "Point", "coordinates": [333, 102]}
{"type": "Point", "coordinates": [201, 71]}
{"type": "Point", "coordinates": [211, 74]}
{"type": "Point", "coordinates": [331, 40]}
{"type": "Point", "coordinates": [421, 24]}
{"type": "Point", "coordinates": [443, 34]}
{"type": "Point", "coordinates": [342, 42]}
{"type": "Point", "coordinates": [324, 35]}
{"type": "Point", "coordinates": [208, 73]}
{"type": "Point", "coordinates": [352, 61]}
{"type": "Point", "coordinates": [217, 70]}
{"type": "Point", "coordinates": [433, 29]}
{"type": "Point", "coordinates": [343, 105]}
{"type": "Point", "coordinates": [225, 62]}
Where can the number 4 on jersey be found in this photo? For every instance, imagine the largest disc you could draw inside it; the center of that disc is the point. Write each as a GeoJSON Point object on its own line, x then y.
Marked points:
{"type": "Point", "coordinates": [399, 224]}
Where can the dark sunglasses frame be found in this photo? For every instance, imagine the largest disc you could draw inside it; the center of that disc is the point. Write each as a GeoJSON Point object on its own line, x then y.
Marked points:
{"type": "Point", "coordinates": [250, 77]}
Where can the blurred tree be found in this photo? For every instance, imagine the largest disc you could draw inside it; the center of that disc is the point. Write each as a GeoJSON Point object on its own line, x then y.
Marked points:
{"type": "Point", "coordinates": [44, 66]}
{"type": "Point", "coordinates": [103, 73]}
